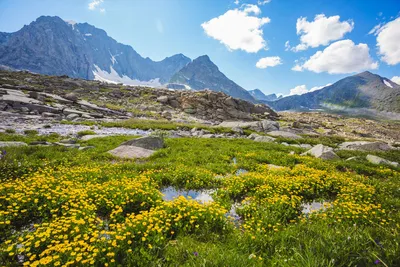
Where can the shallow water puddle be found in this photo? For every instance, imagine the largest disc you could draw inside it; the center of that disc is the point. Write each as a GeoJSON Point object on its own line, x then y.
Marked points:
{"type": "Point", "coordinates": [202, 196]}
{"type": "Point", "coordinates": [314, 206]}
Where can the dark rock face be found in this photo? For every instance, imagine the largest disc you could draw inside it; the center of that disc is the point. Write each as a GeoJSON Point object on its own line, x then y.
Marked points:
{"type": "Point", "coordinates": [52, 46]}
{"type": "Point", "coordinates": [202, 74]}
{"type": "Point", "coordinates": [364, 90]}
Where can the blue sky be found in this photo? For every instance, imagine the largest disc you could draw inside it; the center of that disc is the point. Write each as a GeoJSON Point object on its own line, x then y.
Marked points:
{"type": "Point", "coordinates": [161, 28]}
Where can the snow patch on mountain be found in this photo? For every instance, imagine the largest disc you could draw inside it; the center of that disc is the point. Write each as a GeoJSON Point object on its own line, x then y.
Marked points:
{"type": "Point", "coordinates": [387, 83]}
{"type": "Point", "coordinates": [72, 23]}
{"type": "Point", "coordinates": [114, 78]}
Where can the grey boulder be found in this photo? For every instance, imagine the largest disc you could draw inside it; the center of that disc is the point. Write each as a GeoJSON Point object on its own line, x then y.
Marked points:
{"type": "Point", "coordinates": [264, 139]}
{"type": "Point", "coordinates": [366, 146]}
{"type": "Point", "coordinates": [322, 152]}
{"type": "Point", "coordinates": [284, 134]}
{"type": "Point", "coordinates": [378, 160]}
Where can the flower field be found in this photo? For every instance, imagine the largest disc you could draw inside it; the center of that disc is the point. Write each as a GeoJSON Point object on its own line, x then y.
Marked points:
{"type": "Point", "coordinates": [85, 208]}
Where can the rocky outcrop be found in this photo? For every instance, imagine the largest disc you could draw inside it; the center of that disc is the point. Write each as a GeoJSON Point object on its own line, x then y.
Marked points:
{"type": "Point", "coordinates": [216, 106]}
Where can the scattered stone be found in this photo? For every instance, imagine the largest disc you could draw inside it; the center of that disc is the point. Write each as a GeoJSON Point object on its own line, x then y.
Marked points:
{"type": "Point", "coordinates": [264, 139]}
{"type": "Point", "coordinates": [253, 136]}
{"type": "Point", "coordinates": [366, 146]}
{"type": "Point", "coordinates": [259, 126]}
{"type": "Point", "coordinates": [322, 152]}
{"type": "Point", "coordinates": [67, 145]}
{"type": "Point", "coordinates": [284, 134]}
{"type": "Point", "coordinates": [39, 143]}
{"type": "Point", "coordinates": [147, 142]}
{"type": "Point", "coordinates": [238, 130]}
{"type": "Point", "coordinates": [167, 115]}
{"type": "Point", "coordinates": [24, 109]}
{"type": "Point", "coordinates": [68, 141]}
{"type": "Point", "coordinates": [208, 136]}
{"type": "Point", "coordinates": [162, 99]}
{"type": "Point", "coordinates": [49, 115]}
{"type": "Point", "coordinates": [378, 160]}
{"type": "Point", "coordinates": [72, 116]}
{"type": "Point", "coordinates": [12, 143]}
{"type": "Point", "coordinates": [72, 97]}
{"type": "Point", "coordinates": [353, 158]}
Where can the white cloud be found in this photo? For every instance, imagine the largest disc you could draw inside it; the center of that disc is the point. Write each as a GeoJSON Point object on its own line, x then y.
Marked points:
{"type": "Point", "coordinates": [263, 2]}
{"type": "Point", "coordinates": [321, 31]}
{"type": "Point", "coordinates": [266, 62]}
{"type": "Point", "coordinates": [375, 29]}
{"type": "Point", "coordinates": [239, 29]}
{"type": "Point", "coordinates": [388, 43]}
{"type": "Point", "coordinates": [299, 90]}
{"type": "Point", "coordinates": [236, 2]}
{"type": "Point", "coordinates": [287, 46]}
{"type": "Point", "coordinates": [340, 57]}
{"type": "Point", "coordinates": [95, 4]}
{"type": "Point", "coordinates": [396, 79]}
{"type": "Point", "coordinates": [302, 89]}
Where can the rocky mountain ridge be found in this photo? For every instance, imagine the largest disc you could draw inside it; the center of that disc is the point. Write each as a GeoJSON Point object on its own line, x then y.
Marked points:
{"type": "Point", "coordinates": [53, 46]}
{"type": "Point", "coordinates": [361, 91]}
{"type": "Point", "coordinates": [259, 95]}
{"type": "Point", "coordinates": [202, 73]}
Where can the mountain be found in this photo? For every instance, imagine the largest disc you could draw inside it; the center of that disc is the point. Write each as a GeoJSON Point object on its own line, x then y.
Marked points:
{"type": "Point", "coordinates": [364, 90]}
{"type": "Point", "coordinates": [53, 46]}
{"type": "Point", "coordinates": [202, 73]}
{"type": "Point", "coordinates": [258, 95]}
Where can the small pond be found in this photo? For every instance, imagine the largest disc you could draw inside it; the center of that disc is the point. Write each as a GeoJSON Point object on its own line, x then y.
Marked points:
{"type": "Point", "coordinates": [314, 206]}
{"type": "Point", "coordinates": [202, 196]}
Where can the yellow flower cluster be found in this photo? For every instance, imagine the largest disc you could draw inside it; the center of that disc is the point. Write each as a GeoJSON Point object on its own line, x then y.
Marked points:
{"type": "Point", "coordinates": [84, 217]}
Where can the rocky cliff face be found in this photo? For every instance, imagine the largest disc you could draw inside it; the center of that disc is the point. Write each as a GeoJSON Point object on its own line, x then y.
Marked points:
{"type": "Point", "coordinates": [364, 90]}
{"type": "Point", "coordinates": [202, 74]}
{"type": "Point", "coordinates": [53, 46]}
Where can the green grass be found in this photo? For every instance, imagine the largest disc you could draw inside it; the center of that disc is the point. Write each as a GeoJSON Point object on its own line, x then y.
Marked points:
{"type": "Point", "coordinates": [193, 163]}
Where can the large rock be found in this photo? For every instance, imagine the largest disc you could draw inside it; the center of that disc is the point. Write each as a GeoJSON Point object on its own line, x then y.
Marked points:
{"type": "Point", "coordinates": [322, 152]}
{"type": "Point", "coordinates": [72, 97]}
{"type": "Point", "coordinates": [366, 146]}
{"type": "Point", "coordinates": [147, 142]}
{"type": "Point", "coordinates": [6, 144]}
{"type": "Point", "coordinates": [378, 160]}
{"type": "Point", "coordinates": [91, 136]}
{"type": "Point", "coordinates": [284, 134]}
{"type": "Point", "coordinates": [264, 139]}
{"type": "Point", "coordinates": [131, 152]}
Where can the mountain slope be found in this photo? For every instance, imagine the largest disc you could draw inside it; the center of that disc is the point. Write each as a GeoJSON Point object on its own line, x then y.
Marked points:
{"type": "Point", "coordinates": [259, 95]}
{"type": "Point", "coordinates": [202, 73]}
{"type": "Point", "coordinates": [364, 90]}
{"type": "Point", "coordinates": [53, 46]}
